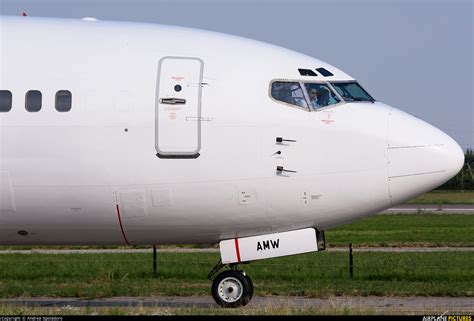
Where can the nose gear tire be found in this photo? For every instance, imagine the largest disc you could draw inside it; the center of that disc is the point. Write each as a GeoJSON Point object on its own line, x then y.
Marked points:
{"type": "Point", "coordinates": [232, 289]}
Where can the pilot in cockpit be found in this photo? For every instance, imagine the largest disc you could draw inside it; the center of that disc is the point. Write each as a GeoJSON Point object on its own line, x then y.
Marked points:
{"type": "Point", "coordinates": [313, 98]}
{"type": "Point", "coordinates": [323, 97]}
{"type": "Point", "coordinates": [319, 97]}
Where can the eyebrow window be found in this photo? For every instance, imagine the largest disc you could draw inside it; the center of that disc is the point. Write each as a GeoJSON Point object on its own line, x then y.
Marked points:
{"type": "Point", "coordinates": [325, 72]}
{"type": "Point", "coordinates": [33, 100]}
{"type": "Point", "coordinates": [63, 100]}
{"type": "Point", "coordinates": [306, 72]}
{"type": "Point", "coordinates": [5, 101]}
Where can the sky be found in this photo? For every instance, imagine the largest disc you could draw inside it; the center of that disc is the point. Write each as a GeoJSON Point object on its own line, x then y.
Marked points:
{"type": "Point", "coordinates": [415, 55]}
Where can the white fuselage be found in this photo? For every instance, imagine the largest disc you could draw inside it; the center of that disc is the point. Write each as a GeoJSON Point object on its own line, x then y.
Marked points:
{"type": "Point", "coordinates": [92, 175]}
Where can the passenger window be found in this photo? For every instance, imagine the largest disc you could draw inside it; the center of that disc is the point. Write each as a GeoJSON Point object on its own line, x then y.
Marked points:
{"type": "Point", "coordinates": [33, 100]}
{"type": "Point", "coordinates": [5, 101]}
{"type": "Point", "coordinates": [320, 95]}
{"type": "Point", "coordinates": [289, 92]}
{"type": "Point", "coordinates": [63, 100]}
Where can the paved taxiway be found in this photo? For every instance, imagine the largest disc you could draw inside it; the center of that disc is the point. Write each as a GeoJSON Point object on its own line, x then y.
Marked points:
{"type": "Point", "coordinates": [450, 305]}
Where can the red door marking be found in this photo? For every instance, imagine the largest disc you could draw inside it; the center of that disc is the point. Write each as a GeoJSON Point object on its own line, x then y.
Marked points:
{"type": "Point", "coordinates": [121, 227]}
{"type": "Point", "coordinates": [237, 250]}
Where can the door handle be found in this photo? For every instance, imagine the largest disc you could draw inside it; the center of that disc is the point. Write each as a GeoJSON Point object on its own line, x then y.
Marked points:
{"type": "Point", "coordinates": [173, 101]}
{"type": "Point", "coordinates": [281, 140]}
{"type": "Point", "coordinates": [282, 169]}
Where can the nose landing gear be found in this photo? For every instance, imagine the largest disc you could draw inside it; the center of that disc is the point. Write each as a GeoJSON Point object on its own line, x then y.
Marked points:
{"type": "Point", "coordinates": [231, 288]}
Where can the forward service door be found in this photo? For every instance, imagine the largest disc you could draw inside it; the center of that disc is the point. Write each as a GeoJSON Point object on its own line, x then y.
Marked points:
{"type": "Point", "coordinates": [178, 107]}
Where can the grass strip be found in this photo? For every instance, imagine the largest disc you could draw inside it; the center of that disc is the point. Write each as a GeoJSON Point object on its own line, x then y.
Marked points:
{"type": "Point", "coordinates": [406, 230]}
{"type": "Point", "coordinates": [184, 274]}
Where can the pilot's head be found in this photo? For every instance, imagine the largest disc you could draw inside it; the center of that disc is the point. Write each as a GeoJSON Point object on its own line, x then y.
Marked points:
{"type": "Point", "coordinates": [323, 96]}
{"type": "Point", "coordinates": [313, 92]}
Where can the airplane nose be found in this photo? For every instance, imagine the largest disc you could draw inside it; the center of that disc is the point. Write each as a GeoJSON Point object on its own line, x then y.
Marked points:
{"type": "Point", "coordinates": [420, 157]}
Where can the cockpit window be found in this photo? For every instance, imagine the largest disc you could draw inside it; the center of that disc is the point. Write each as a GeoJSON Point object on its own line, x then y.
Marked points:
{"type": "Point", "coordinates": [320, 95]}
{"type": "Point", "coordinates": [309, 96]}
{"type": "Point", "coordinates": [289, 92]}
{"type": "Point", "coordinates": [352, 91]}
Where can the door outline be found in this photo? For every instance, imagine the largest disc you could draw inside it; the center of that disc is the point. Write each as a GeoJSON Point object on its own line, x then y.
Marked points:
{"type": "Point", "coordinates": [173, 155]}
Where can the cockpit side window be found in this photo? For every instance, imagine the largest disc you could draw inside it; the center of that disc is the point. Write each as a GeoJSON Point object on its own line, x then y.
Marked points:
{"type": "Point", "coordinates": [352, 91]}
{"type": "Point", "coordinates": [289, 92]}
{"type": "Point", "coordinates": [320, 95]}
